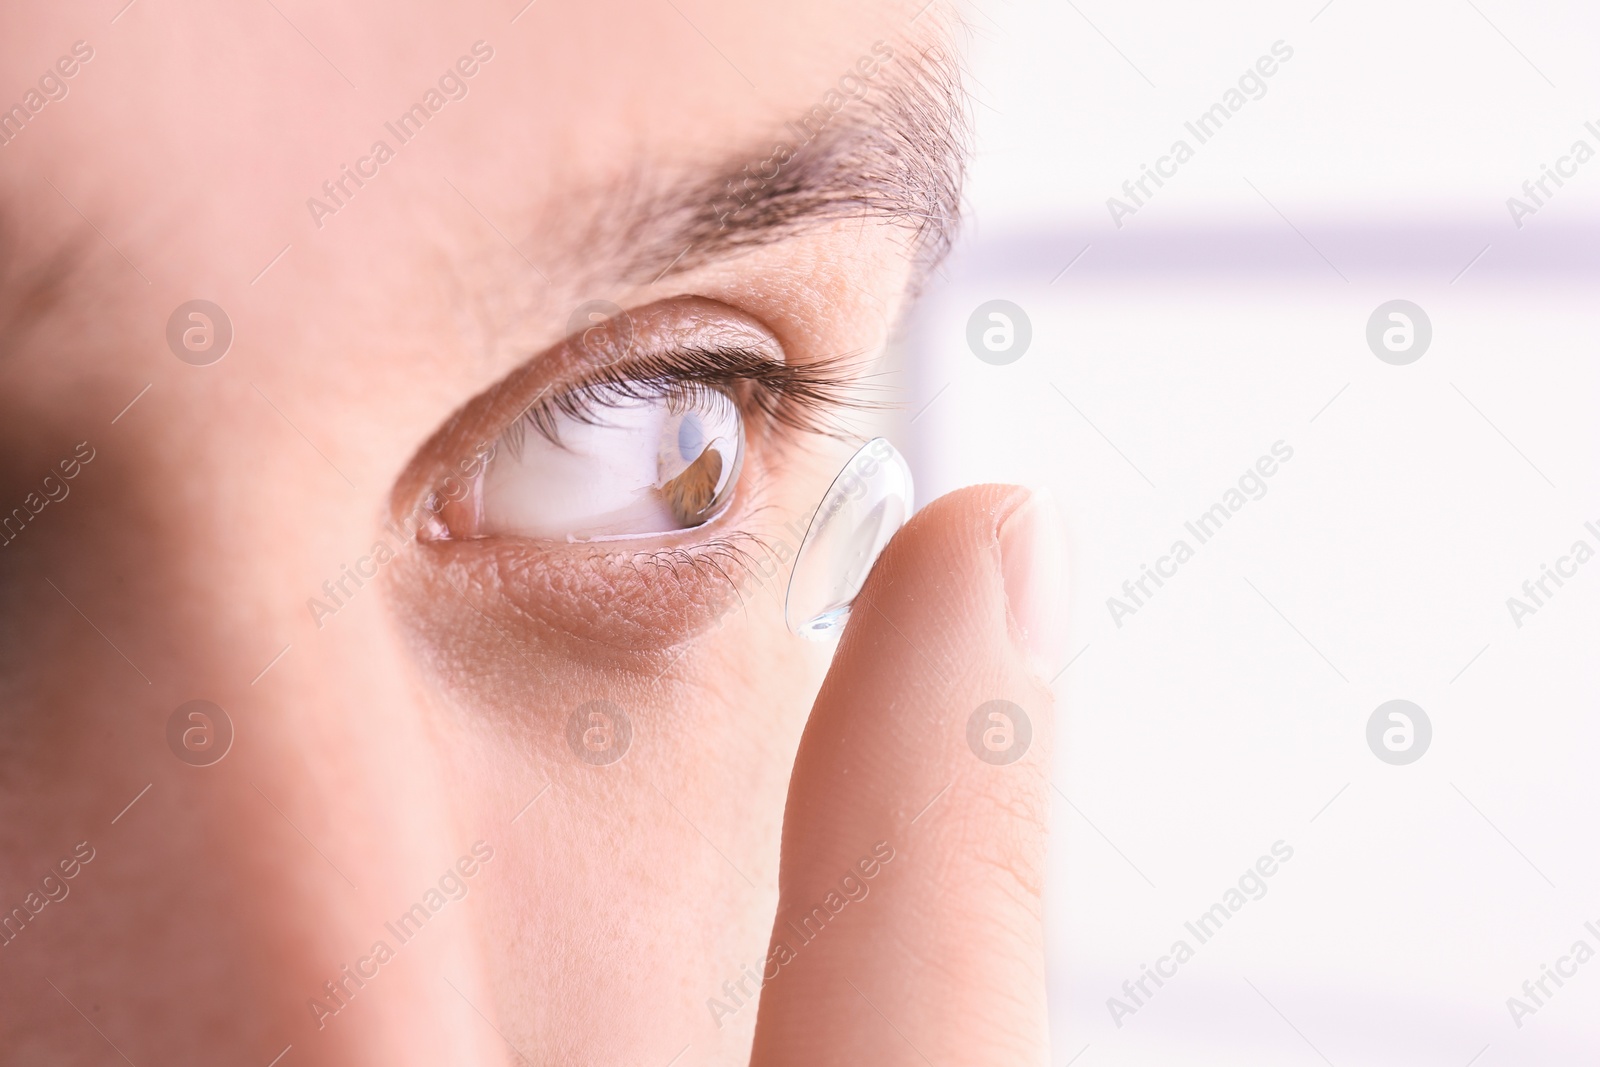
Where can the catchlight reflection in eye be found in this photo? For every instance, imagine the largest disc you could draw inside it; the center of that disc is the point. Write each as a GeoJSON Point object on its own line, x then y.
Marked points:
{"type": "Point", "coordinates": [622, 466]}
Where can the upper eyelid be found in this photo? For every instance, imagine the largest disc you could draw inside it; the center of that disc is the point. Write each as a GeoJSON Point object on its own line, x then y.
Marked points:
{"type": "Point", "coordinates": [582, 403]}
{"type": "Point", "coordinates": [673, 375]}
{"type": "Point", "coordinates": [800, 396]}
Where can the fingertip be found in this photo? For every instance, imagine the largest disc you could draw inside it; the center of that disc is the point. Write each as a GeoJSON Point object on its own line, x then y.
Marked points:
{"type": "Point", "coordinates": [1032, 560]}
{"type": "Point", "coordinates": [989, 550]}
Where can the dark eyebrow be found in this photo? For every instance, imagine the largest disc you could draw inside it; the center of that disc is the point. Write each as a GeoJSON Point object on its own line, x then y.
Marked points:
{"type": "Point", "coordinates": [896, 154]}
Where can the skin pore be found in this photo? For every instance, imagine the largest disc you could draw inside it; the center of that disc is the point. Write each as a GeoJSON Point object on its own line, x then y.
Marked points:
{"type": "Point", "coordinates": [421, 731]}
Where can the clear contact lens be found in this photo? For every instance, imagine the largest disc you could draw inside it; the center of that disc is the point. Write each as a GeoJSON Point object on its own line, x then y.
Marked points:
{"type": "Point", "coordinates": [868, 501]}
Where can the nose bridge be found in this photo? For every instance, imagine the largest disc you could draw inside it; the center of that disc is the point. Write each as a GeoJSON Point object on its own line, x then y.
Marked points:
{"type": "Point", "coordinates": [367, 860]}
{"type": "Point", "coordinates": [278, 862]}
{"type": "Point", "coordinates": [378, 873]}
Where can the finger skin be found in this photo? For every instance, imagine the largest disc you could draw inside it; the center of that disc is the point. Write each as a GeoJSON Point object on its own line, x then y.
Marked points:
{"type": "Point", "coordinates": [909, 922]}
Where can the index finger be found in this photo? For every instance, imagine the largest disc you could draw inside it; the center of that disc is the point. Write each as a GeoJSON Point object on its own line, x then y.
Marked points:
{"type": "Point", "coordinates": [909, 920]}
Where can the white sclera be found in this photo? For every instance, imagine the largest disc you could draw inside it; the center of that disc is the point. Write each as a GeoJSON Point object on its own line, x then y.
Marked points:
{"type": "Point", "coordinates": [869, 500]}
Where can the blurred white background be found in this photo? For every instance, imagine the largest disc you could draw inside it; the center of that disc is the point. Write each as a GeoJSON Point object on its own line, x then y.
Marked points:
{"type": "Point", "coordinates": [1229, 313]}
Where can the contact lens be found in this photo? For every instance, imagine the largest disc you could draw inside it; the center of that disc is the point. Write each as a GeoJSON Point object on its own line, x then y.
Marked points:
{"type": "Point", "coordinates": [868, 501]}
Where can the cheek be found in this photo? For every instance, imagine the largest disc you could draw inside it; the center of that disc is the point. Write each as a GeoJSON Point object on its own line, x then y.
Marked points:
{"type": "Point", "coordinates": [710, 748]}
{"type": "Point", "coordinates": [522, 640]}
{"type": "Point", "coordinates": [546, 700]}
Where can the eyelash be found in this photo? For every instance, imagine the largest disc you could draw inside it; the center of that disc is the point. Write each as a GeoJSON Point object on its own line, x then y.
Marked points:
{"type": "Point", "coordinates": [803, 398]}
{"type": "Point", "coordinates": [736, 552]}
{"type": "Point", "coordinates": [770, 393]}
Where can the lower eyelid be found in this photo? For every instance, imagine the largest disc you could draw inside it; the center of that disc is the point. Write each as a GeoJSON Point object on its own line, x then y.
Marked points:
{"type": "Point", "coordinates": [639, 595]}
{"type": "Point", "coordinates": [508, 636]}
{"type": "Point", "coordinates": [544, 597]}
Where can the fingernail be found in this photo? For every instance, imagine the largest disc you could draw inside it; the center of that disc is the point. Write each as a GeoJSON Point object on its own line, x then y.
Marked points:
{"type": "Point", "coordinates": [1032, 550]}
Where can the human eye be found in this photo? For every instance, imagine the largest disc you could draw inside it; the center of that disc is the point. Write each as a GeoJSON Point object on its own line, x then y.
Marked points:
{"type": "Point", "coordinates": [609, 461]}
{"type": "Point", "coordinates": [645, 476]}
{"type": "Point", "coordinates": [647, 442]}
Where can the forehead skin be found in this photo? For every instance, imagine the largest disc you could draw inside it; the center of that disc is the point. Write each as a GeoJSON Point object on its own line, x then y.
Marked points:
{"type": "Point", "coordinates": [183, 158]}
{"type": "Point", "coordinates": [178, 166]}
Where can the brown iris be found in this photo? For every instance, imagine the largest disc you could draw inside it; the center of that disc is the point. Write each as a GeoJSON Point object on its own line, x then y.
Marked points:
{"type": "Point", "coordinates": [691, 494]}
